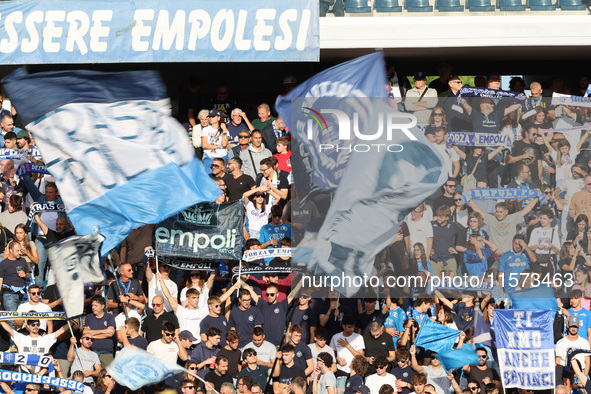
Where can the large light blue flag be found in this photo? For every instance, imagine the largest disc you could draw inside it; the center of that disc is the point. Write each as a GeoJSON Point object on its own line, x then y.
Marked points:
{"type": "Point", "coordinates": [353, 142]}
{"type": "Point", "coordinates": [457, 358]}
{"type": "Point", "coordinates": [436, 337]}
{"type": "Point", "coordinates": [540, 297]}
{"type": "Point", "coordinates": [135, 368]}
{"type": "Point", "coordinates": [119, 159]}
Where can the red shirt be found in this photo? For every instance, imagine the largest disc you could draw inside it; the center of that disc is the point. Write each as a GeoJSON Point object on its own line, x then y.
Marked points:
{"type": "Point", "coordinates": [284, 161]}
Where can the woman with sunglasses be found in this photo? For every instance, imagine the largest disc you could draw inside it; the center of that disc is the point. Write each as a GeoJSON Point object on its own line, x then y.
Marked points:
{"type": "Point", "coordinates": [460, 210]}
{"type": "Point", "coordinates": [195, 280]}
{"type": "Point", "coordinates": [437, 119]}
{"type": "Point", "coordinates": [105, 384]}
{"type": "Point", "coordinates": [257, 210]}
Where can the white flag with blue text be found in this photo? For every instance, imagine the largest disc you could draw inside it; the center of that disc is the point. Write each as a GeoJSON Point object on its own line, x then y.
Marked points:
{"type": "Point", "coordinates": [119, 159]}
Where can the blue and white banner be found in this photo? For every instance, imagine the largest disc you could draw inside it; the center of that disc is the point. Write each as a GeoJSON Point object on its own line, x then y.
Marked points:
{"type": "Point", "coordinates": [469, 91]}
{"type": "Point", "coordinates": [256, 254]}
{"type": "Point", "coordinates": [586, 126]}
{"type": "Point", "coordinates": [478, 139]}
{"type": "Point", "coordinates": [29, 168]}
{"type": "Point", "coordinates": [76, 261]}
{"type": "Point", "coordinates": [148, 31]}
{"type": "Point", "coordinates": [525, 348]}
{"type": "Point", "coordinates": [119, 159]}
{"type": "Point", "coordinates": [13, 315]}
{"type": "Point", "coordinates": [11, 376]}
{"type": "Point", "coordinates": [379, 176]}
{"type": "Point", "coordinates": [269, 269]}
{"type": "Point", "coordinates": [538, 297]}
{"type": "Point", "coordinates": [19, 153]}
{"type": "Point", "coordinates": [27, 359]}
{"type": "Point", "coordinates": [436, 337]}
{"type": "Point", "coordinates": [43, 207]}
{"type": "Point", "coordinates": [502, 194]}
{"type": "Point", "coordinates": [135, 368]}
{"type": "Point", "coordinates": [565, 99]}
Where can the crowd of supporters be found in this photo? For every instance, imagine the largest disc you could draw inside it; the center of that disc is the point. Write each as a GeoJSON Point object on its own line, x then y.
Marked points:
{"type": "Point", "coordinates": [257, 334]}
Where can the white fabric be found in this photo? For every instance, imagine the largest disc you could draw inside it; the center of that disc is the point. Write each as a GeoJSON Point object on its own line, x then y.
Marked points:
{"type": "Point", "coordinates": [203, 295]}
{"type": "Point", "coordinates": [374, 382]}
{"type": "Point", "coordinates": [564, 344]}
{"type": "Point", "coordinates": [39, 345]}
{"type": "Point", "coordinates": [40, 307]}
{"type": "Point", "coordinates": [266, 352]}
{"type": "Point", "coordinates": [215, 139]}
{"type": "Point", "coordinates": [191, 320]}
{"type": "Point", "coordinates": [154, 290]}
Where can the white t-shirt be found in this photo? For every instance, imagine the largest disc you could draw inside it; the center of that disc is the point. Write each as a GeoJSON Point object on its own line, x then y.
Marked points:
{"type": "Point", "coordinates": [165, 352]}
{"type": "Point", "coordinates": [564, 344]}
{"type": "Point", "coordinates": [154, 290]}
{"type": "Point", "coordinates": [191, 320]}
{"type": "Point", "coordinates": [256, 218]}
{"type": "Point", "coordinates": [542, 237]}
{"type": "Point", "coordinates": [420, 231]}
{"type": "Point", "coordinates": [120, 318]}
{"type": "Point", "coordinates": [39, 345]}
{"type": "Point", "coordinates": [449, 156]}
{"type": "Point", "coordinates": [563, 168]}
{"type": "Point", "coordinates": [374, 382]}
{"type": "Point", "coordinates": [355, 340]}
{"type": "Point", "coordinates": [40, 307]}
{"type": "Point", "coordinates": [203, 295]}
{"type": "Point", "coordinates": [266, 352]}
{"type": "Point", "coordinates": [214, 137]}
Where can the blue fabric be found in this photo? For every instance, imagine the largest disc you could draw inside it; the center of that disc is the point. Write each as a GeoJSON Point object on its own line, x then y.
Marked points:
{"type": "Point", "coordinates": [541, 297]}
{"type": "Point", "coordinates": [502, 194]}
{"type": "Point", "coordinates": [457, 358]}
{"type": "Point", "coordinates": [474, 264]}
{"type": "Point", "coordinates": [436, 337]}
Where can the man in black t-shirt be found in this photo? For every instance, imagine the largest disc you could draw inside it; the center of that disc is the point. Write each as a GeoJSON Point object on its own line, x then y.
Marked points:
{"type": "Point", "coordinates": [527, 152]}
{"type": "Point", "coordinates": [377, 343]}
{"type": "Point", "coordinates": [14, 273]}
{"type": "Point", "coordinates": [403, 371]}
{"type": "Point", "coordinates": [237, 183]}
{"type": "Point", "coordinates": [285, 369]}
{"type": "Point", "coordinates": [220, 374]}
{"type": "Point", "coordinates": [487, 119]}
{"type": "Point", "coordinates": [482, 372]}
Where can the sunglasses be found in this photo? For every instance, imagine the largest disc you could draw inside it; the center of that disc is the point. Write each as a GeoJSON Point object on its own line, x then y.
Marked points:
{"type": "Point", "coordinates": [473, 388]}
{"type": "Point", "coordinates": [259, 195]}
{"type": "Point", "coordinates": [155, 305]}
{"type": "Point", "coordinates": [36, 324]}
{"type": "Point", "coordinates": [450, 185]}
{"type": "Point", "coordinates": [215, 166]}
{"type": "Point", "coordinates": [194, 274]}
{"type": "Point", "coordinates": [250, 354]}
{"type": "Point", "coordinates": [34, 293]}
{"type": "Point", "coordinates": [243, 136]}
{"type": "Point", "coordinates": [216, 306]}
{"type": "Point", "coordinates": [28, 389]}
{"type": "Point", "coordinates": [438, 114]}
{"type": "Point", "coordinates": [88, 338]}
{"type": "Point", "coordinates": [169, 334]}
{"type": "Point", "coordinates": [482, 356]}
{"type": "Point", "coordinates": [193, 368]}
{"type": "Point", "coordinates": [402, 361]}
{"type": "Point", "coordinates": [271, 294]}
{"type": "Point", "coordinates": [457, 199]}
{"type": "Point", "coordinates": [380, 367]}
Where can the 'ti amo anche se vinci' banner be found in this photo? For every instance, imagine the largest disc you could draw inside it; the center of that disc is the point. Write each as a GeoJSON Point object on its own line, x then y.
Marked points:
{"type": "Point", "coordinates": [154, 31]}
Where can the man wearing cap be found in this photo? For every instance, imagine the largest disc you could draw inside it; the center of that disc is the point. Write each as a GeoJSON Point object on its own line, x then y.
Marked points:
{"type": "Point", "coordinates": [214, 139]}
{"type": "Point", "coordinates": [381, 377]}
{"type": "Point", "coordinates": [264, 117]}
{"type": "Point", "coordinates": [23, 139]}
{"type": "Point", "coordinates": [363, 389]}
{"type": "Point", "coordinates": [572, 341]}
{"type": "Point", "coordinates": [420, 99]}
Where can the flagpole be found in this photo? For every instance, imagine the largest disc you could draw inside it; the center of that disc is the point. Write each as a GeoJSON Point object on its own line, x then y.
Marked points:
{"type": "Point", "coordinates": [239, 277]}
{"type": "Point", "coordinates": [157, 281]}
{"type": "Point", "coordinates": [204, 382]}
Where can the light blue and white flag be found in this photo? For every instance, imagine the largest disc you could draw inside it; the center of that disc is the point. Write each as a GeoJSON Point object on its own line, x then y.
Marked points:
{"type": "Point", "coordinates": [436, 337]}
{"type": "Point", "coordinates": [502, 194]}
{"type": "Point", "coordinates": [12, 376]}
{"type": "Point", "coordinates": [377, 176]}
{"type": "Point", "coordinates": [525, 348]}
{"type": "Point", "coordinates": [27, 359]}
{"type": "Point", "coordinates": [135, 368]}
{"type": "Point", "coordinates": [119, 159]}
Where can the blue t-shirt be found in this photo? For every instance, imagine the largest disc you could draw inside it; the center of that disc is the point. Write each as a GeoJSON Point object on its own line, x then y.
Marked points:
{"type": "Point", "coordinates": [419, 317]}
{"type": "Point", "coordinates": [584, 316]}
{"type": "Point", "coordinates": [276, 313]}
{"type": "Point", "coordinates": [513, 263]}
{"type": "Point", "coordinates": [305, 318]}
{"type": "Point", "coordinates": [270, 231]}
{"type": "Point", "coordinates": [474, 264]}
{"type": "Point", "coordinates": [302, 353]}
{"type": "Point", "coordinates": [395, 319]}
{"type": "Point", "coordinates": [218, 322]}
{"type": "Point", "coordinates": [244, 322]}
{"type": "Point", "coordinates": [108, 320]}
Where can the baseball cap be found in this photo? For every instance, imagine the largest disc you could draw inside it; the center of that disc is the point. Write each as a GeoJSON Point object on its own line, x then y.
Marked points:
{"type": "Point", "coordinates": [187, 334]}
{"type": "Point", "coordinates": [420, 75]}
{"type": "Point", "coordinates": [574, 321]}
{"type": "Point", "coordinates": [23, 134]}
{"type": "Point", "coordinates": [363, 389]}
{"type": "Point", "coordinates": [214, 112]}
